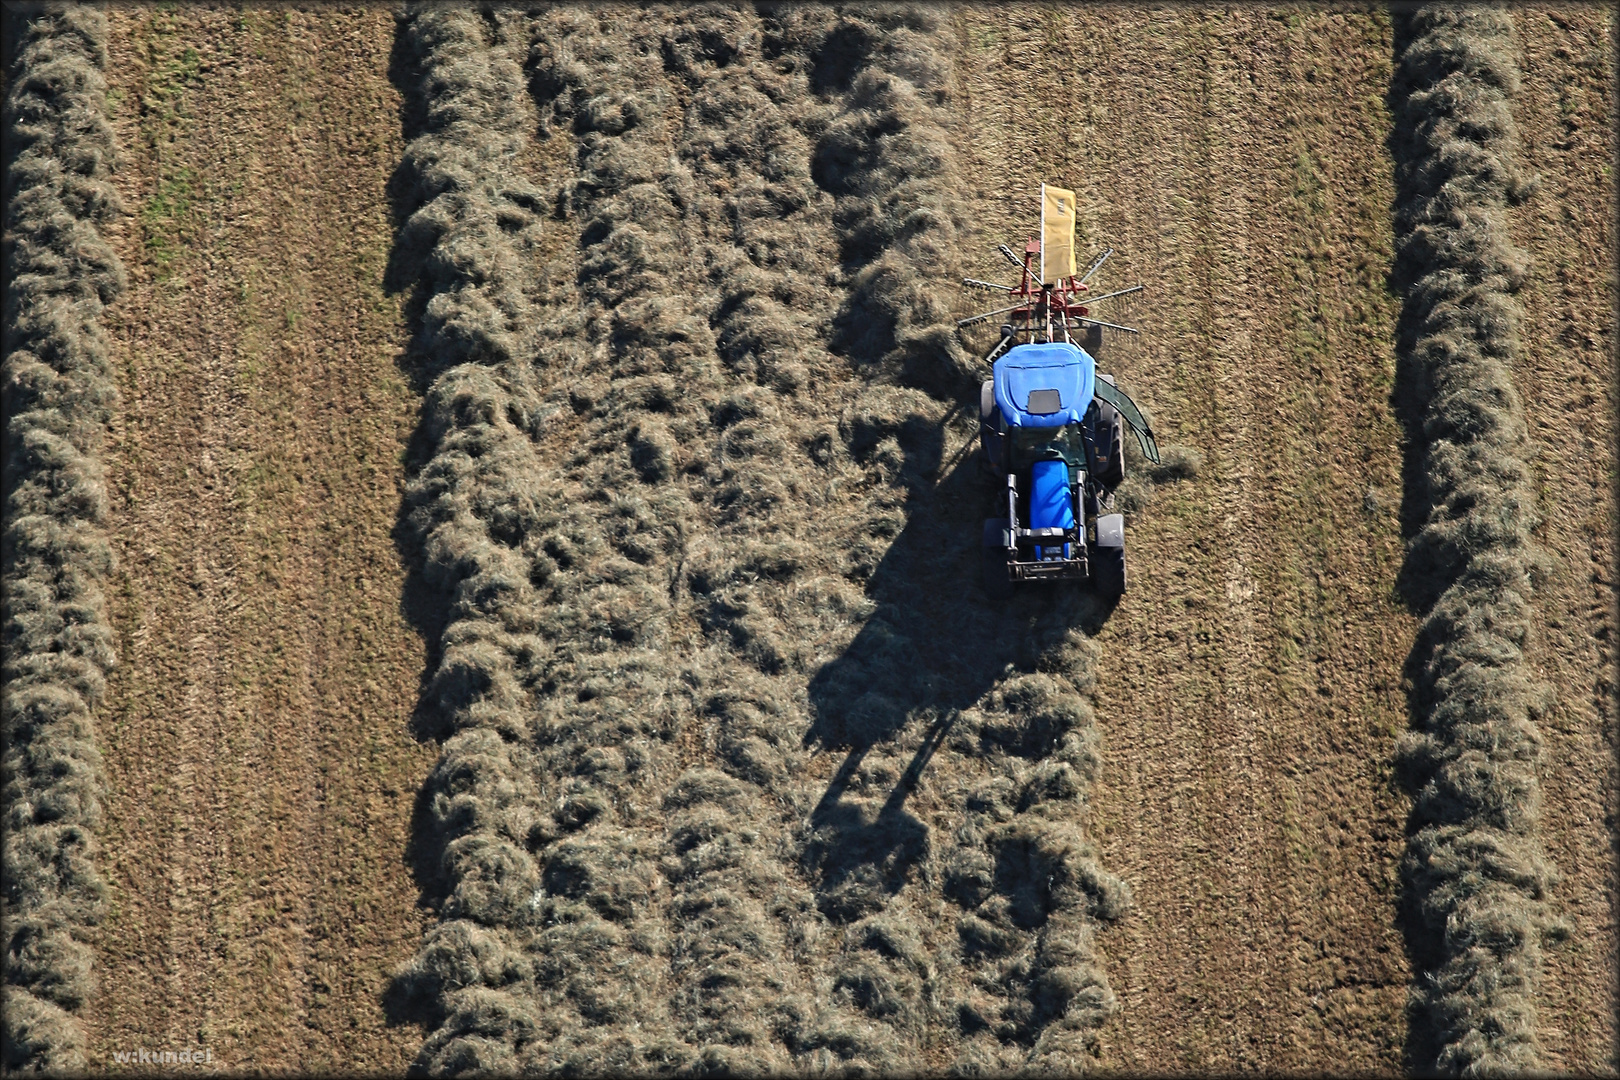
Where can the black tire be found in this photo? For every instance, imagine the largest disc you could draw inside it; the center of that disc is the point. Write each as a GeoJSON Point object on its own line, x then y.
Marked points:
{"type": "Point", "coordinates": [1092, 341]}
{"type": "Point", "coordinates": [1108, 439]}
{"type": "Point", "coordinates": [993, 560]}
{"type": "Point", "coordinates": [987, 400]}
{"type": "Point", "coordinates": [1108, 572]}
{"type": "Point", "coordinates": [1111, 428]}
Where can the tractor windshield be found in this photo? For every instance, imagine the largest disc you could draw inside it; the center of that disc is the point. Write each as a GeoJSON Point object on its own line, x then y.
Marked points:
{"type": "Point", "coordinates": [1034, 444]}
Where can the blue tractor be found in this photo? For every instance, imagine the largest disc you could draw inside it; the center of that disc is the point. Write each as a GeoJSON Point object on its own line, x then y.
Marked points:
{"type": "Point", "coordinates": [1052, 430]}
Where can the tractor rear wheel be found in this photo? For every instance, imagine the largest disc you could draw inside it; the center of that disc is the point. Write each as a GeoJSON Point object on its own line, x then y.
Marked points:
{"type": "Point", "coordinates": [1092, 342]}
{"type": "Point", "coordinates": [1108, 436]}
{"type": "Point", "coordinates": [1108, 572]}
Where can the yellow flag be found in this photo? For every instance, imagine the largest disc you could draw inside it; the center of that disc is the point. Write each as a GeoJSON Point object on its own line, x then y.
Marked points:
{"type": "Point", "coordinates": [1057, 234]}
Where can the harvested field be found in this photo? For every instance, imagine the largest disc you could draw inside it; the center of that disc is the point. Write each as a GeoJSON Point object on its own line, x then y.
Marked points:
{"type": "Point", "coordinates": [259, 761]}
{"type": "Point", "coordinates": [1566, 374]}
{"type": "Point", "coordinates": [1248, 688]}
{"type": "Point", "coordinates": [544, 518]}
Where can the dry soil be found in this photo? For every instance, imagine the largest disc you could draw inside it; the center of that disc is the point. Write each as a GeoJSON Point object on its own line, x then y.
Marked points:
{"type": "Point", "coordinates": [1566, 376]}
{"type": "Point", "coordinates": [261, 771]}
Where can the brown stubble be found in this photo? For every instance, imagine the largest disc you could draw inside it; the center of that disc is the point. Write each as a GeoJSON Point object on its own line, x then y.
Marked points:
{"type": "Point", "coordinates": [257, 751]}
{"type": "Point", "coordinates": [1566, 376]}
{"type": "Point", "coordinates": [1249, 683]}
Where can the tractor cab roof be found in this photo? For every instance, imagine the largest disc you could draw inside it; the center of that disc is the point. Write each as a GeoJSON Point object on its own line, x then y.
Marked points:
{"type": "Point", "coordinates": [1044, 385]}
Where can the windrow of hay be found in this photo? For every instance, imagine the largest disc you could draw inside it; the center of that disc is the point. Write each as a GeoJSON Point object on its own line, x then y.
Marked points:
{"type": "Point", "coordinates": [470, 243]}
{"type": "Point", "coordinates": [688, 413]}
{"type": "Point", "coordinates": [57, 641]}
{"type": "Point", "coordinates": [1476, 878]}
{"type": "Point", "coordinates": [709, 277]}
{"type": "Point", "coordinates": [637, 833]}
{"type": "Point", "coordinates": [1033, 991]}
{"type": "Point", "coordinates": [759, 253]}
{"type": "Point", "coordinates": [780, 574]}
{"type": "Point", "coordinates": [637, 939]}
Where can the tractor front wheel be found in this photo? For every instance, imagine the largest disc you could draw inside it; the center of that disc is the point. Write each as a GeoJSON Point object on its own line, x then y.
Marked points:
{"type": "Point", "coordinates": [1108, 572]}
{"type": "Point", "coordinates": [993, 560]}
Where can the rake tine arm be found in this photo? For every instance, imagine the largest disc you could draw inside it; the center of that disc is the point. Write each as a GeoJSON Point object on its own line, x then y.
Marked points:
{"type": "Point", "coordinates": [1000, 347]}
{"type": "Point", "coordinates": [1096, 265]}
{"type": "Point", "coordinates": [977, 284]}
{"type": "Point", "coordinates": [1110, 296]}
{"type": "Point", "coordinates": [1099, 322]}
{"type": "Point", "coordinates": [987, 314]}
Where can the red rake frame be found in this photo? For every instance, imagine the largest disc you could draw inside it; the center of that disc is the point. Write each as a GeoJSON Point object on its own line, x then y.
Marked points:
{"type": "Point", "coordinates": [1044, 312]}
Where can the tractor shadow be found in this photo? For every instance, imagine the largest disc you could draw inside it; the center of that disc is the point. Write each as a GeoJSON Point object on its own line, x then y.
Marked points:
{"type": "Point", "coordinates": [934, 646]}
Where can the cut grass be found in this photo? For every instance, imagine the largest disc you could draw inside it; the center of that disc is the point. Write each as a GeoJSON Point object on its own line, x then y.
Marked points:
{"type": "Point", "coordinates": [58, 645]}
{"type": "Point", "coordinates": [1476, 879]}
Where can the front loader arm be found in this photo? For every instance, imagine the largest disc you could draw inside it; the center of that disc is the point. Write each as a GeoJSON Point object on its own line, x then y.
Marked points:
{"type": "Point", "coordinates": [1106, 391]}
